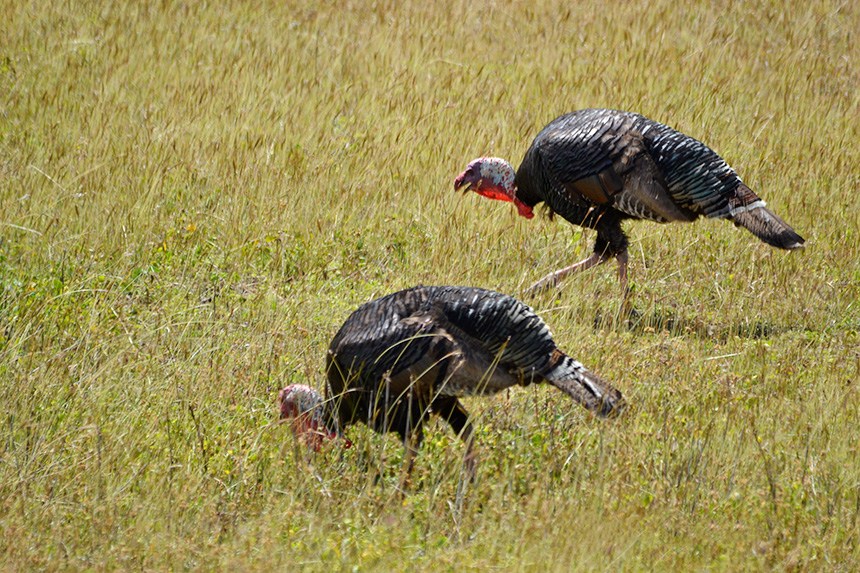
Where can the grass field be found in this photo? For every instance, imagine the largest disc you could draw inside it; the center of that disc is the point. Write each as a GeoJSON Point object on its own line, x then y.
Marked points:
{"type": "Point", "coordinates": [193, 197]}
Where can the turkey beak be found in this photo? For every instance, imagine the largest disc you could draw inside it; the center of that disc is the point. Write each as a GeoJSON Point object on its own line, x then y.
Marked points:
{"type": "Point", "coordinates": [461, 183]}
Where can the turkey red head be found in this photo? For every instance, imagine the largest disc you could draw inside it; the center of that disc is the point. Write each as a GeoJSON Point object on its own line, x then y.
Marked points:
{"type": "Point", "coordinates": [493, 178]}
{"type": "Point", "coordinates": [305, 409]}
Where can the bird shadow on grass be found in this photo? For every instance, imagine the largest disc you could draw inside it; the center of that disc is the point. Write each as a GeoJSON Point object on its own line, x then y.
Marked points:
{"type": "Point", "coordinates": [662, 320]}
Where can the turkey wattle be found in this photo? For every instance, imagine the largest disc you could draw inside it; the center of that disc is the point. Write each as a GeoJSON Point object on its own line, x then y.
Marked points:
{"type": "Point", "coordinates": [402, 357]}
{"type": "Point", "coordinates": [598, 167]}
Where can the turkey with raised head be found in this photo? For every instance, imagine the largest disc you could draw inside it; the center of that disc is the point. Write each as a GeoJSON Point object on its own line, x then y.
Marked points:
{"type": "Point", "coordinates": [402, 357]}
{"type": "Point", "coordinates": [598, 167]}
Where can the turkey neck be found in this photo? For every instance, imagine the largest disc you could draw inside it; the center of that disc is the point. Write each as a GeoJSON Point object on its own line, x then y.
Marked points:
{"type": "Point", "coordinates": [533, 187]}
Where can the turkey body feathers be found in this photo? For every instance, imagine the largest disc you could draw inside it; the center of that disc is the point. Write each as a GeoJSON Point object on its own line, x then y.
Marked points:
{"type": "Point", "coordinates": [400, 357]}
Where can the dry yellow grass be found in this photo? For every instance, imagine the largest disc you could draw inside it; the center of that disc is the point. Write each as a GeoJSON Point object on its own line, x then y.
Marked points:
{"type": "Point", "coordinates": [193, 197]}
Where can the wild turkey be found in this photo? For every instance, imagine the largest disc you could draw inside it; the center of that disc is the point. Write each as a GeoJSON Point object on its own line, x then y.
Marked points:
{"type": "Point", "coordinates": [598, 167]}
{"type": "Point", "coordinates": [404, 356]}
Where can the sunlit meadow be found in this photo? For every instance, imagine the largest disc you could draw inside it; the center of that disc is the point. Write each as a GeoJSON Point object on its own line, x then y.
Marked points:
{"type": "Point", "coordinates": [194, 196]}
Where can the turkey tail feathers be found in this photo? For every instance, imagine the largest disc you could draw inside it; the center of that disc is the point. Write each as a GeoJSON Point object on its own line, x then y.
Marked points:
{"type": "Point", "coordinates": [766, 225]}
{"type": "Point", "coordinates": [587, 388]}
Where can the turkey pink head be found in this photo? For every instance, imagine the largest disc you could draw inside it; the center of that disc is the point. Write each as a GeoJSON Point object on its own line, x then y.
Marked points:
{"type": "Point", "coordinates": [493, 178]}
{"type": "Point", "coordinates": [304, 407]}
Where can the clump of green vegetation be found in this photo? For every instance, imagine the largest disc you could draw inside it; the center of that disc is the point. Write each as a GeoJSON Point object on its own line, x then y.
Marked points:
{"type": "Point", "coordinates": [194, 197]}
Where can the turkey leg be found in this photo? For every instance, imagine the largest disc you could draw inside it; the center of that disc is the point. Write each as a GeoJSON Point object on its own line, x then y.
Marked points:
{"type": "Point", "coordinates": [411, 443]}
{"type": "Point", "coordinates": [627, 309]}
{"type": "Point", "coordinates": [450, 410]}
{"type": "Point", "coordinates": [553, 279]}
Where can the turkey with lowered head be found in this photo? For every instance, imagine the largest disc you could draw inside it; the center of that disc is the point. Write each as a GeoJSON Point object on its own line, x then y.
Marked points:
{"type": "Point", "coordinates": [402, 357]}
